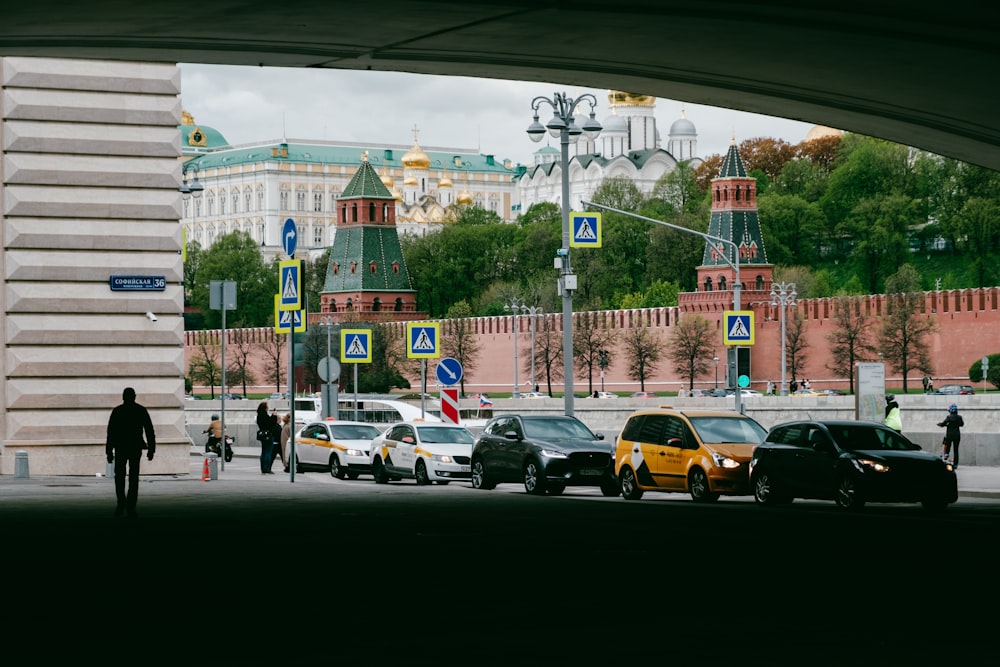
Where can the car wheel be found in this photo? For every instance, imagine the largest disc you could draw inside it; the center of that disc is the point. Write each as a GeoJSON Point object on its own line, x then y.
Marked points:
{"type": "Point", "coordinates": [848, 495]}
{"type": "Point", "coordinates": [765, 491]}
{"type": "Point", "coordinates": [480, 480]}
{"type": "Point", "coordinates": [610, 488]}
{"type": "Point", "coordinates": [534, 482]}
{"type": "Point", "coordinates": [337, 470]}
{"type": "Point", "coordinates": [701, 492]}
{"type": "Point", "coordinates": [420, 474]}
{"type": "Point", "coordinates": [555, 489]}
{"type": "Point", "coordinates": [379, 472]}
{"type": "Point", "coordinates": [629, 485]}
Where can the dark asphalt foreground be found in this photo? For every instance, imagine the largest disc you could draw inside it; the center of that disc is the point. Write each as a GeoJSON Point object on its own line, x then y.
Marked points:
{"type": "Point", "coordinates": [392, 575]}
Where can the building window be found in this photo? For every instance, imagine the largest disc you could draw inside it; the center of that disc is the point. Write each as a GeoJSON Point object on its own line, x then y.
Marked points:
{"type": "Point", "coordinates": [354, 212]}
{"type": "Point", "coordinates": [283, 200]}
{"type": "Point", "coordinates": [222, 204]}
{"type": "Point", "coordinates": [377, 304]}
{"type": "Point", "coordinates": [760, 283]}
{"type": "Point", "coordinates": [373, 268]}
{"type": "Point", "coordinates": [722, 283]}
{"type": "Point", "coordinates": [317, 235]}
{"type": "Point", "coordinates": [260, 199]}
{"type": "Point", "coordinates": [708, 284]}
{"type": "Point", "coordinates": [395, 267]}
{"type": "Point", "coordinates": [399, 305]}
{"type": "Point", "coordinates": [354, 268]}
{"type": "Point", "coordinates": [349, 305]}
{"type": "Point", "coordinates": [248, 197]}
{"type": "Point", "coordinates": [371, 211]}
{"type": "Point", "coordinates": [336, 268]}
{"type": "Point", "coordinates": [318, 202]}
{"type": "Point", "coordinates": [300, 201]}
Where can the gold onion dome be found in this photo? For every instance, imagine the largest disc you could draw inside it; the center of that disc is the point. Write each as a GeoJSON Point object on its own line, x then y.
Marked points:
{"type": "Point", "coordinates": [618, 97]}
{"type": "Point", "coordinates": [410, 181]}
{"type": "Point", "coordinates": [387, 180]}
{"type": "Point", "coordinates": [445, 182]}
{"type": "Point", "coordinates": [464, 198]}
{"type": "Point", "coordinates": [416, 158]}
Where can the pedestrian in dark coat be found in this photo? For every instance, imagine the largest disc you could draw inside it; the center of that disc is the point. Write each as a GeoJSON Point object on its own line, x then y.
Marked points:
{"type": "Point", "coordinates": [126, 427]}
{"type": "Point", "coordinates": [268, 431]}
{"type": "Point", "coordinates": [952, 434]}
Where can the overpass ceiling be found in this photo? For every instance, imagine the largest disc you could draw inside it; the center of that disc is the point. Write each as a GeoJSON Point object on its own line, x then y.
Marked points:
{"type": "Point", "coordinates": [921, 75]}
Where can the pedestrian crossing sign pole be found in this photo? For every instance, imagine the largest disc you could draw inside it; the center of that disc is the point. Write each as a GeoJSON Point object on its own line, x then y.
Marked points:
{"type": "Point", "coordinates": [290, 284]}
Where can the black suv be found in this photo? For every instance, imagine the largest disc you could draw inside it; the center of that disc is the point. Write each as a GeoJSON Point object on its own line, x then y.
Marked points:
{"type": "Point", "coordinates": [546, 453]}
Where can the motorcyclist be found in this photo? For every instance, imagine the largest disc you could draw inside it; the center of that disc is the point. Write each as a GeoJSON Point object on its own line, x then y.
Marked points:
{"type": "Point", "coordinates": [214, 431]}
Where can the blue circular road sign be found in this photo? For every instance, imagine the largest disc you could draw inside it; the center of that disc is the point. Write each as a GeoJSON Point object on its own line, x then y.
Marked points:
{"type": "Point", "coordinates": [449, 371]}
{"type": "Point", "coordinates": [289, 234]}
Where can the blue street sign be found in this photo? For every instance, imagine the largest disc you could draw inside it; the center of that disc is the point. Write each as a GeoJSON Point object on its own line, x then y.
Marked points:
{"type": "Point", "coordinates": [289, 237]}
{"type": "Point", "coordinates": [449, 371]}
{"type": "Point", "coordinates": [138, 283]}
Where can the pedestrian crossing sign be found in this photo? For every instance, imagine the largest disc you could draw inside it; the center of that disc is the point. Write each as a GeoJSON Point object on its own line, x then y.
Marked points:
{"type": "Point", "coordinates": [738, 327]}
{"type": "Point", "coordinates": [287, 321]}
{"type": "Point", "coordinates": [356, 346]}
{"type": "Point", "coordinates": [586, 228]}
{"type": "Point", "coordinates": [422, 340]}
{"type": "Point", "coordinates": [290, 284]}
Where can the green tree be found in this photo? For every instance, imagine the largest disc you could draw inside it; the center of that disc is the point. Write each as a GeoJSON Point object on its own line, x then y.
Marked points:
{"type": "Point", "coordinates": [793, 229]}
{"type": "Point", "coordinates": [388, 360]}
{"type": "Point", "coordinates": [904, 328]}
{"type": "Point", "coordinates": [850, 340]}
{"type": "Point", "coordinates": [316, 280]}
{"type": "Point", "coordinates": [236, 257]}
{"type": "Point", "coordinates": [978, 226]}
{"type": "Point", "coordinates": [661, 294]}
{"type": "Point", "coordinates": [679, 188]}
{"type": "Point", "coordinates": [192, 320]}
{"type": "Point", "coordinates": [691, 347]}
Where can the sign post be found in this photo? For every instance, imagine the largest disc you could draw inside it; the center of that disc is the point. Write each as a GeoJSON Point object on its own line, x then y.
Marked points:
{"type": "Point", "coordinates": [222, 296]}
{"type": "Point", "coordinates": [449, 373]}
{"type": "Point", "coordinates": [356, 348]}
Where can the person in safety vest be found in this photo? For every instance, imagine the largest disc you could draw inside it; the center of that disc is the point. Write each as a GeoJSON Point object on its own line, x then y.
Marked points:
{"type": "Point", "coordinates": [893, 419]}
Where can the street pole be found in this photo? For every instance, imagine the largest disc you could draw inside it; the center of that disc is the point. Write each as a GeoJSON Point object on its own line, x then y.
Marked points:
{"type": "Point", "coordinates": [783, 295]}
{"type": "Point", "coordinates": [562, 125]}
{"type": "Point", "coordinates": [734, 264]}
{"type": "Point", "coordinates": [716, 360]}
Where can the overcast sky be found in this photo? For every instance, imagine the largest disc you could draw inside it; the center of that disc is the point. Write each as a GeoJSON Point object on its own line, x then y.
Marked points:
{"type": "Point", "coordinates": [249, 104]}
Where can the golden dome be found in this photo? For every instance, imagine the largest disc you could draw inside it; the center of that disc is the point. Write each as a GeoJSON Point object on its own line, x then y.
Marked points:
{"type": "Point", "coordinates": [820, 131]}
{"type": "Point", "coordinates": [618, 97]}
{"type": "Point", "coordinates": [387, 180]}
{"type": "Point", "coordinates": [445, 182]}
{"type": "Point", "coordinates": [416, 158]}
{"type": "Point", "coordinates": [410, 181]}
{"type": "Point", "coordinates": [465, 198]}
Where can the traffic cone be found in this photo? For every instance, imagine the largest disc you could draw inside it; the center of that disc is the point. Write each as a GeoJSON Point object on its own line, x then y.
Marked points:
{"type": "Point", "coordinates": [205, 476]}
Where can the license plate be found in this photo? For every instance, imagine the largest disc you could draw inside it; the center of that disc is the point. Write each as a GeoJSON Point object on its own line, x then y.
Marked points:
{"type": "Point", "coordinates": [465, 468]}
{"type": "Point", "coordinates": [591, 472]}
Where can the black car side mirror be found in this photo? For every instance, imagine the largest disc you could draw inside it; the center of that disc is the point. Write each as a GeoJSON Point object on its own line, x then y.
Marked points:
{"type": "Point", "coordinates": [600, 436]}
{"type": "Point", "coordinates": [510, 435]}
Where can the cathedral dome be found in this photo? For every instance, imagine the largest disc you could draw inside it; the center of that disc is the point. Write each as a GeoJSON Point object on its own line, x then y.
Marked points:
{"type": "Point", "coordinates": [387, 180]}
{"type": "Point", "coordinates": [445, 182]}
{"type": "Point", "coordinates": [410, 181]}
{"type": "Point", "coordinates": [820, 131]}
{"type": "Point", "coordinates": [416, 158]}
{"type": "Point", "coordinates": [199, 138]}
{"type": "Point", "coordinates": [615, 123]}
{"type": "Point", "coordinates": [682, 127]}
{"type": "Point", "coordinates": [465, 198]}
{"type": "Point", "coordinates": [618, 97]}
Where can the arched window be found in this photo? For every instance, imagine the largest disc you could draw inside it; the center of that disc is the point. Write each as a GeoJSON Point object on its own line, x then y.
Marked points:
{"type": "Point", "coordinates": [760, 283]}
{"type": "Point", "coordinates": [350, 304]}
{"type": "Point", "coordinates": [399, 304]}
{"type": "Point", "coordinates": [708, 284]}
{"type": "Point", "coordinates": [722, 283]}
{"type": "Point", "coordinates": [395, 267]}
{"type": "Point", "coordinates": [373, 268]}
{"type": "Point", "coordinates": [377, 304]}
{"type": "Point", "coordinates": [354, 212]}
{"type": "Point", "coordinates": [371, 211]}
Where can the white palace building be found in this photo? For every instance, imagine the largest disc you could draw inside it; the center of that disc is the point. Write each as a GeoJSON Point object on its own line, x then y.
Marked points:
{"type": "Point", "coordinates": [255, 187]}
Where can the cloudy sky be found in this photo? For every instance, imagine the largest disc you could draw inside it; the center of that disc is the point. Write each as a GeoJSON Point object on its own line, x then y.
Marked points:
{"type": "Point", "coordinates": [249, 104]}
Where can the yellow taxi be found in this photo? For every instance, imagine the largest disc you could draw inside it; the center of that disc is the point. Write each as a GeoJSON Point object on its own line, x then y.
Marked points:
{"type": "Point", "coordinates": [702, 452]}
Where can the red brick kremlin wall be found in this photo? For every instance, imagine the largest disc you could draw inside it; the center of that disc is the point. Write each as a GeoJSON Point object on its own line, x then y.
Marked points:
{"type": "Point", "coordinates": [968, 329]}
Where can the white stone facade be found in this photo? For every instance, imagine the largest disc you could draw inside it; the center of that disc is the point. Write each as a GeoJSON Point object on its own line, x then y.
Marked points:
{"type": "Point", "coordinates": [90, 190]}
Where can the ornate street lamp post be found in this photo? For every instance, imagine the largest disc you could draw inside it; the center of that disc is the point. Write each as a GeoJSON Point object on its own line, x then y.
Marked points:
{"type": "Point", "coordinates": [783, 295]}
{"type": "Point", "coordinates": [563, 126]}
{"type": "Point", "coordinates": [716, 360]}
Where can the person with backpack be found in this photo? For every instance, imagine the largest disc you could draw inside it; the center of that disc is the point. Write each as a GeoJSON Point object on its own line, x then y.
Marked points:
{"type": "Point", "coordinates": [952, 423]}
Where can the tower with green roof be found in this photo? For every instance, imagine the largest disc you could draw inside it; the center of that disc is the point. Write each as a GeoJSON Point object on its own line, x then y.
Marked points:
{"type": "Point", "coordinates": [734, 217]}
{"type": "Point", "coordinates": [367, 273]}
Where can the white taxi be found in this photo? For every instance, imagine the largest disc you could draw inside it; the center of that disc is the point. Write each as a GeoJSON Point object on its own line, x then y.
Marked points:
{"type": "Point", "coordinates": [340, 446]}
{"type": "Point", "coordinates": [426, 452]}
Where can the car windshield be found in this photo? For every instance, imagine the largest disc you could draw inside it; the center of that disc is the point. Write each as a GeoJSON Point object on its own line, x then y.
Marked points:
{"type": "Point", "coordinates": [353, 432]}
{"type": "Point", "coordinates": [556, 429]}
{"type": "Point", "coordinates": [860, 436]}
{"type": "Point", "coordinates": [728, 429]}
{"type": "Point", "coordinates": [443, 434]}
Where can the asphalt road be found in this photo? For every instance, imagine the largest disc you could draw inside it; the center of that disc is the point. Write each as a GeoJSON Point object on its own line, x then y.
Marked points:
{"type": "Point", "coordinates": [250, 568]}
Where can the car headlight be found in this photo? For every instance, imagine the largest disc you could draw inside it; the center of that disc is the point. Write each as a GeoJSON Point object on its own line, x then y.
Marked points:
{"type": "Point", "coordinates": [552, 454]}
{"type": "Point", "coordinates": [724, 461]}
{"type": "Point", "coordinates": [442, 458]}
{"type": "Point", "coordinates": [869, 465]}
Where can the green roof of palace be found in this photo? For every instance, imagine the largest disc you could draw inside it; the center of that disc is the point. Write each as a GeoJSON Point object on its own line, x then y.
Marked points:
{"type": "Point", "coordinates": [349, 155]}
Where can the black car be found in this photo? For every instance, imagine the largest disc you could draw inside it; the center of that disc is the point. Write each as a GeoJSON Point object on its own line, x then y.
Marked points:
{"type": "Point", "coordinates": [850, 462]}
{"type": "Point", "coordinates": [546, 453]}
{"type": "Point", "coordinates": [955, 389]}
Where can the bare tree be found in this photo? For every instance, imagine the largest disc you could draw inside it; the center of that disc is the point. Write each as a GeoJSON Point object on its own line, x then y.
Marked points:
{"type": "Point", "coordinates": [904, 327]}
{"type": "Point", "coordinates": [548, 350]}
{"type": "Point", "coordinates": [459, 339]}
{"type": "Point", "coordinates": [273, 348]}
{"type": "Point", "coordinates": [238, 371]}
{"type": "Point", "coordinates": [205, 367]}
{"type": "Point", "coordinates": [850, 341]}
{"type": "Point", "coordinates": [643, 350]}
{"type": "Point", "coordinates": [796, 342]}
{"type": "Point", "coordinates": [691, 348]}
{"type": "Point", "coordinates": [589, 338]}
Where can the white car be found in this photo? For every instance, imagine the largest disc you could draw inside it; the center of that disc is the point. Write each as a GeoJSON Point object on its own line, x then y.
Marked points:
{"type": "Point", "coordinates": [533, 394]}
{"type": "Point", "coordinates": [340, 446]}
{"type": "Point", "coordinates": [427, 452]}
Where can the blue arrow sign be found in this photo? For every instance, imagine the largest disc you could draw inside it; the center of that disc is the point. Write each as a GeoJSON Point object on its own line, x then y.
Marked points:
{"type": "Point", "coordinates": [289, 237]}
{"type": "Point", "coordinates": [449, 371]}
